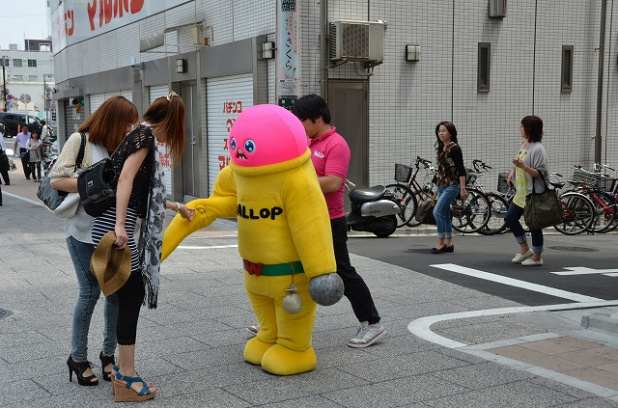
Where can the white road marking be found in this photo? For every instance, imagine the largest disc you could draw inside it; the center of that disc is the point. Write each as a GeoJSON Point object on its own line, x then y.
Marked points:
{"type": "Point", "coordinates": [576, 297]}
{"type": "Point", "coordinates": [582, 270]}
{"type": "Point", "coordinates": [422, 327]}
{"type": "Point", "coordinates": [207, 247]}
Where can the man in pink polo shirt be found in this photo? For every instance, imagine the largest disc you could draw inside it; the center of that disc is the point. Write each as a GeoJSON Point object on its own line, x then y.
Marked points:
{"type": "Point", "coordinates": [330, 155]}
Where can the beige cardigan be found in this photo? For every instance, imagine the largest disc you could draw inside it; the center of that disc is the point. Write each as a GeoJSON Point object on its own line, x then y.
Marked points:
{"type": "Point", "coordinates": [65, 165]}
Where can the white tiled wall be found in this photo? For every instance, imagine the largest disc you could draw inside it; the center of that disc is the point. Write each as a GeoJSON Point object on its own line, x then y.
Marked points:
{"type": "Point", "coordinates": [407, 99]}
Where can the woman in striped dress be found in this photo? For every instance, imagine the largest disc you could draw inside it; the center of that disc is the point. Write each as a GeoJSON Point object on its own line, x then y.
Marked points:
{"type": "Point", "coordinates": [140, 193]}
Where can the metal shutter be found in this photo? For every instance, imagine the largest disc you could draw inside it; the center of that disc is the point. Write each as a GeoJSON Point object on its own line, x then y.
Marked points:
{"type": "Point", "coordinates": [226, 98]}
{"type": "Point", "coordinates": [96, 100]}
{"type": "Point", "coordinates": [72, 117]}
{"type": "Point", "coordinates": [157, 91]}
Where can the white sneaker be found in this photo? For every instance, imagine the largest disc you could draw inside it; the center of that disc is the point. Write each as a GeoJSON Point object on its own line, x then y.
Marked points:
{"type": "Point", "coordinates": [532, 262]}
{"type": "Point", "coordinates": [367, 334]}
{"type": "Point", "coordinates": [519, 258]}
{"type": "Point", "coordinates": [253, 329]}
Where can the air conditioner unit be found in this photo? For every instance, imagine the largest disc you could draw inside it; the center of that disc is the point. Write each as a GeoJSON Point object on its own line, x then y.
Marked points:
{"type": "Point", "coordinates": [357, 41]}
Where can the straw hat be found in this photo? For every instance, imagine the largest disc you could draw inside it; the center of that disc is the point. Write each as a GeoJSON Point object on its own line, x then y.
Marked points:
{"type": "Point", "coordinates": [110, 265]}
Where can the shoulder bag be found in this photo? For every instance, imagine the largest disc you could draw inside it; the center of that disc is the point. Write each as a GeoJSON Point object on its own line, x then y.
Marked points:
{"type": "Point", "coordinates": [424, 213]}
{"type": "Point", "coordinates": [95, 187]}
{"type": "Point", "coordinates": [61, 203]}
{"type": "Point", "coordinates": [543, 209]}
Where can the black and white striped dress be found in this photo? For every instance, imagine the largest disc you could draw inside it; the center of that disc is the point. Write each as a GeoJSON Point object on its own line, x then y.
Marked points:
{"type": "Point", "coordinates": [107, 221]}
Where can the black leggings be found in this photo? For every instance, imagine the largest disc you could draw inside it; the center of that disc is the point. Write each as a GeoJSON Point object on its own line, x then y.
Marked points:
{"type": "Point", "coordinates": [130, 299]}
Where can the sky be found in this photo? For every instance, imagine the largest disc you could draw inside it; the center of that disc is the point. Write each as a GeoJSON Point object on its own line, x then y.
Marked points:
{"type": "Point", "coordinates": [20, 19]}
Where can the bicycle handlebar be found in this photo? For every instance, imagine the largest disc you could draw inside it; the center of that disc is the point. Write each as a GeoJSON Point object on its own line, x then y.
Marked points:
{"type": "Point", "coordinates": [478, 164]}
{"type": "Point", "coordinates": [424, 162]}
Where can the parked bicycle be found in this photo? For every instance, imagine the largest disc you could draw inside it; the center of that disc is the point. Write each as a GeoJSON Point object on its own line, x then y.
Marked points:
{"type": "Point", "coordinates": [592, 185]}
{"type": "Point", "coordinates": [579, 212]}
{"type": "Point", "coordinates": [473, 213]}
{"type": "Point", "coordinates": [409, 192]}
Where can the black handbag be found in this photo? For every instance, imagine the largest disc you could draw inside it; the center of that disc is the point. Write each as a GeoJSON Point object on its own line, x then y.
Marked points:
{"type": "Point", "coordinates": [544, 209]}
{"type": "Point", "coordinates": [96, 187]}
{"type": "Point", "coordinates": [424, 213]}
{"type": "Point", "coordinates": [53, 198]}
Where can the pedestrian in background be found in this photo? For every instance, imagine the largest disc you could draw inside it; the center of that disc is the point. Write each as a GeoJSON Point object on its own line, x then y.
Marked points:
{"type": "Point", "coordinates": [140, 193]}
{"type": "Point", "coordinates": [331, 155]}
{"type": "Point", "coordinates": [21, 148]}
{"type": "Point", "coordinates": [531, 169]}
{"type": "Point", "coordinates": [104, 129]}
{"type": "Point", "coordinates": [5, 166]}
{"type": "Point", "coordinates": [35, 148]}
{"type": "Point", "coordinates": [451, 183]}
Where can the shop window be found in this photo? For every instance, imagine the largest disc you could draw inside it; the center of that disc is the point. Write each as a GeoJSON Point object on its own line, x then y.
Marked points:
{"type": "Point", "coordinates": [484, 63]}
{"type": "Point", "coordinates": [32, 63]}
{"type": "Point", "coordinates": [17, 62]}
{"type": "Point", "coordinates": [566, 77]}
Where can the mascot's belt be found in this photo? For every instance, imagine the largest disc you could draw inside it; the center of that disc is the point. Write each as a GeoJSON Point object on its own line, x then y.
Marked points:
{"type": "Point", "coordinates": [260, 269]}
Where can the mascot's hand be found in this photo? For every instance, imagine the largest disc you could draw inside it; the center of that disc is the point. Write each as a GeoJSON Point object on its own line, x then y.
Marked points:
{"type": "Point", "coordinates": [326, 290]}
{"type": "Point", "coordinates": [180, 228]}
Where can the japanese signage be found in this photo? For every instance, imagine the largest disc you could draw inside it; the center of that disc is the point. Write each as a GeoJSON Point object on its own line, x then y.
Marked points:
{"type": "Point", "coordinates": [78, 20]}
{"type": "Point", "coordinates": [288, 65]}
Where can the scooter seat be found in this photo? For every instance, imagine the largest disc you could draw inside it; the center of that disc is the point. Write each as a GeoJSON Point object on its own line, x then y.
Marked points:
{"type": "Point", "coordinates": [367, 194]}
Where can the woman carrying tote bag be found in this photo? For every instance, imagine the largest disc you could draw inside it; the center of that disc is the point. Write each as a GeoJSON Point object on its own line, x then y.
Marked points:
{"type": "Point", "coordinates": [530, 170]}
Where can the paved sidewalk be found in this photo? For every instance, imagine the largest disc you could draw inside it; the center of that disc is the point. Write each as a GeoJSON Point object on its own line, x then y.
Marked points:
{"type": "Point", "coordinates": [440, 351]}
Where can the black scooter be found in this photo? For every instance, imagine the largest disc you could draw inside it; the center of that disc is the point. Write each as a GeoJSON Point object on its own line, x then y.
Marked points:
{"type": "Point", "coordinates": [373, 210]}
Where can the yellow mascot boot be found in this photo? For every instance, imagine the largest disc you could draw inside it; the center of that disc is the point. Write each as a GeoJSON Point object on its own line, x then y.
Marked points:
{"type": "Point", "coordinates": [281, 360]}
{"type": "Point", "coordinates": [254, 350]}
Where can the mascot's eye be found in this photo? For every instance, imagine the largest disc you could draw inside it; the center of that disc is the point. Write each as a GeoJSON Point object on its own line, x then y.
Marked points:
{"type": "Point", "coordinates": [233, 144]}
{"type": "Point", "coordinates": [249, 146]}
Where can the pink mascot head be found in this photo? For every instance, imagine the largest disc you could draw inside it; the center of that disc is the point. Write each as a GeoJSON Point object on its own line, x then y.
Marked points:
{"type": "Point", "coordinates": [266, 134]}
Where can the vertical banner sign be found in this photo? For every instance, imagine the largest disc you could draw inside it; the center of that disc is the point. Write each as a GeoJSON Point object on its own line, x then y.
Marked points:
{"type": "Point", "coordinates": [288, 44]}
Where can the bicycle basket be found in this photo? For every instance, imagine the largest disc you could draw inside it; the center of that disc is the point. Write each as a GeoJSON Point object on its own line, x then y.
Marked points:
{"type": "Point", "coordinates": [503, 187]}
{"type": "Point", "coordinates": [402, 173]}
{"type": "Point", "coordinates": [583, 177]}
{"type": "Point", "coordinates": [605, 183]}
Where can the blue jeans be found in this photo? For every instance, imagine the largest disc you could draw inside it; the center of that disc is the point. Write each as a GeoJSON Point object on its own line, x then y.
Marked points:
{"type": "Point", "coordinates": [89, 293]}
{"type": "Point", "coordinates": [442, 210]}
{"type": "Point", "coordinates": [513, 214]}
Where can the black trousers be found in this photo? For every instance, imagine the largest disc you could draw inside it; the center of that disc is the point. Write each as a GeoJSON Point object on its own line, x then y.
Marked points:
{"type": "Point", "coordinates": [25, 162]}
{"type": "Point", "coordinates": [5, 177]}
{"type": "Point", "coordinates": [355, 288]}
{"type": "Point", "coordinates": [35, 170]}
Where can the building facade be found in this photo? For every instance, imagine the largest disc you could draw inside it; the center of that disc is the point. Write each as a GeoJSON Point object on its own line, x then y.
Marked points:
{"type": "Point", "coordinates": [390, 70]}
{"type": "Point", "coordinates": [28, 77]}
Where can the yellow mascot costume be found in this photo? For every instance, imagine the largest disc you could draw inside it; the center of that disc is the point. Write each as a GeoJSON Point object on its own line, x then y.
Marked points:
{"type": "Point", "coordinates": [284, 235]}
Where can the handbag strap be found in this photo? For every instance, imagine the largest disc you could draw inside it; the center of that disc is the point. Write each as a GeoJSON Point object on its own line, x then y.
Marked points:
{"type": "Point", "coordinates": [544, 182]}
{"type": "Point", "coordinates": [80, 154]}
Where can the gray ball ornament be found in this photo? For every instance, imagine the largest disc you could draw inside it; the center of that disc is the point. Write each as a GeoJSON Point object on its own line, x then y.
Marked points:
{"type": "Point", "coordinates": [326, 290]}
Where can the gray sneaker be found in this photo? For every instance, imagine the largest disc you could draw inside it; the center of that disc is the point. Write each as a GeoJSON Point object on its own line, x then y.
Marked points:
{"type": "Point", "coordinates": [367, 334]}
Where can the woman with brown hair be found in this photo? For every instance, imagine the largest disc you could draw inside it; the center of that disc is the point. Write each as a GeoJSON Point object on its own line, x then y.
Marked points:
{"type": "Point", "coordinates": [140, 193]}
{"type": "Point", "coordinates": [104, 130]}
{"type": "Point", "coordinates": [451, 181]}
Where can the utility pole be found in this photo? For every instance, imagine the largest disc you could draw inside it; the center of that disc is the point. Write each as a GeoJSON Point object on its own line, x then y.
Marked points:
{"type": "Point", "coordinates": [4, 81]}
{"type": "Point", "coordinates": [598, 140]}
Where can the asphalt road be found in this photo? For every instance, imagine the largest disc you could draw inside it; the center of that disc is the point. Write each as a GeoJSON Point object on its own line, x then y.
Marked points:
{"type": "Point", "coordinates": [484, 263]}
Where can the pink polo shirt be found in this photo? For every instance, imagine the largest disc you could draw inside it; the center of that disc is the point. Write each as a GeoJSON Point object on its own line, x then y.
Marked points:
{"type": "Point", "coordinates": [330, 155]}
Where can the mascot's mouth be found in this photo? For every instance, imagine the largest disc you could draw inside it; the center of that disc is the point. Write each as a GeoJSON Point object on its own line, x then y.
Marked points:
{"type": "Point", "coordinates": [241, 155]}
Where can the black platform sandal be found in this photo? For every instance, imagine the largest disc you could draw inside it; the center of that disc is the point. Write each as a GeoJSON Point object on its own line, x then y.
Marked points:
{"type": "Point", "coordinates": [105, 361]}
{"type": "Point", "coordinates": [79, 368]}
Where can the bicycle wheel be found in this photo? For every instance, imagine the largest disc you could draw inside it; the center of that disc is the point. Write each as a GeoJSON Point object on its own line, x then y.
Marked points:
{"type": "Point", "coordinates": [407, 203]}
{"type": "Point", "coordinates": [476, 215]}
{"type": "Point", "coordinates": [578, 213]}
{"type": "Point", "coordinates": [496, 223]}
{"type": "Point", "coordinates": [605, 211]}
